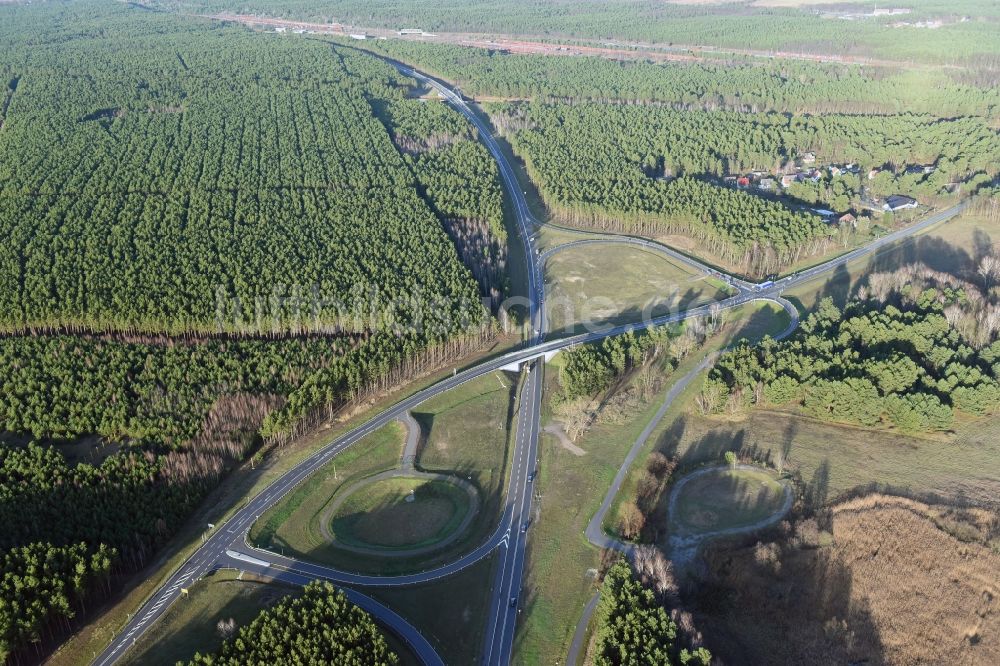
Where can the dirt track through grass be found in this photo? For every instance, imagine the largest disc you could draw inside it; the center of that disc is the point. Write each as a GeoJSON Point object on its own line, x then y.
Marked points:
{"type": "Point", "coordinates": [562, 565]}
{"type": "Point", "coordinates": [721, 499]}
{"type": "Point", "coordinates": [831, 459]}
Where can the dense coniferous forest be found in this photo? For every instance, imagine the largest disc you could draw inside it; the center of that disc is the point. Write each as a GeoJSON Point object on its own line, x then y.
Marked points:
{"type": "Point", "coordinates": [590, 369]}
{"type": "Point", "coordinates": [70, 528]}
{"type": "Point", "coordinates": [161, 394]}
{"type": "Point", "coordinates": [656, 170]}
{"type": "Point", "coordinates": [211, 237]}
{"type": "Point", "coordinates": [319, 627]}
{"type": "Point", "coordinates": [666, 142]}
{"type": "Point", "coordinates": [43, 586]}
{"type": "Point", "coordinates": [736, 84]}
{"type": "Point", "coordinates": [633, 626]}
{"type": "Point", "coordinates": [910, 358]}
{"type": "Point", "coordinates": [214, 238]}
{"type": "Point", "coordinates": [181, 178]}
{"type": "Point", "coordinates": [460, 181]}
{"type": "Point", "coordinates": [733, 25]}
{"type": "Point", "coordinates": [187, 413]}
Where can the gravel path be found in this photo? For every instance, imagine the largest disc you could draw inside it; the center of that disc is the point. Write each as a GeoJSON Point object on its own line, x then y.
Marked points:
{"type": "Point", "coordinates": [556, 430]}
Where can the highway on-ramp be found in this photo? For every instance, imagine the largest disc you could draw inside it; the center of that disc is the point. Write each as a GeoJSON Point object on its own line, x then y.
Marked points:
{"type": "Point", "coordinates": [230, 536]}
{"type": "Point", "coordinates": [226, 545]}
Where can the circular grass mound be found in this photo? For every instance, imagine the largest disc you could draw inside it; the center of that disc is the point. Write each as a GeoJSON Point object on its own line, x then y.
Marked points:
{"type": "Point", "coordinates": [400, 513]}
{"type": "Point", "coordinates": [721, 499]}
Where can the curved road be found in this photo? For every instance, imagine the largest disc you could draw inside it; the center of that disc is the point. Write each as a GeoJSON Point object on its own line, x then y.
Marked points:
{"type": "Point", "coordinates": [654, 246]}
{"type": "Point", "coordinates": [595, 530]}
{"type": "Point", "coordinates": [683, 545]}
{"type": "Point", "coordinates": [511, 547]}
{"type": "Point", "coordinates": [736, 284]}
{"type": "Point", "coordinates": [406, 470]}
{"type": "Point", "coordinates": [226, 545]}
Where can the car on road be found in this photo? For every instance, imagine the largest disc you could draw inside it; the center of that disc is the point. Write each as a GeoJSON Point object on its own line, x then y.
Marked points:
{"type": "Point", "coordinates": [524, 528]}
{"type": "Point", "coordinates": [531, 477]}
{"type": "Point", "coordinates": [513, 602]}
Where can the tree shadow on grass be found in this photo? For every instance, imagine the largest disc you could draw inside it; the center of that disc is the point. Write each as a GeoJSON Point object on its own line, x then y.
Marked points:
{"type": "Point", "coordinates": [178, 642]}
{"type": "Point", "coordinates": [687, 299]}
{"type": "Point", "coordinates": [781, 603]}
{"type": "Point", "coordinates": [838, 286]}
{"type": "Point", "coordinates": [490, 499]}
{"type": "Point", "coordinates": [404, 520]}
{"type": "Point", "coordinates": [528, 601]}
{"type": "Point", "coordinates": [982, 246]}
{"type": "Point", "coordinates": [670, 303]}
{"type": "Point", "coordinates": [818, 489]}
{"type": "Point", "coordinates": [713, 446]}
{"type": "Point", "coordinates": [937, 253]}
{"type": "Point", "coordinates": [761, 322]}
{"type": "Point", "coordinates": [724, 500]}
{"type": "Point", "coordinates": [331, 555]}
{"type": "Point", "coordinates": [787, 442]}
{"type": "Point", "coordinates": [934, 252]}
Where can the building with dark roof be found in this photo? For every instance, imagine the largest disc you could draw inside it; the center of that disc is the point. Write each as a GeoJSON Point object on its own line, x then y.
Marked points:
{"type": "Point", "coordinates": [898, 202]}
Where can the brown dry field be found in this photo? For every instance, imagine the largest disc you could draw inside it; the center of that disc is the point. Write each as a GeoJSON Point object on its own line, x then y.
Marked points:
{"type": "Point", "coordinates": [879, 580]}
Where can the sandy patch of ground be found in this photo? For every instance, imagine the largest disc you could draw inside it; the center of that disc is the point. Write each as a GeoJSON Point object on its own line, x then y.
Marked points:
{"type": "Point", "coordinates": [556, 430]}
{"type": "Point", "coordinates": [684, 243]}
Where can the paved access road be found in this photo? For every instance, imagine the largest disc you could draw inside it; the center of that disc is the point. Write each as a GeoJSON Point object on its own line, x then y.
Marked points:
{"type": "Point", "coordinates": [595, 530]}
{"type": "Point", "coordinates": [225, 545]}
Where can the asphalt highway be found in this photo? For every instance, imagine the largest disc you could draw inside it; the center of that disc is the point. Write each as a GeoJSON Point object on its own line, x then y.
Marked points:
{"type": "Point", "coordinates": [420, 646]}
{"type": "Point", "coordinates": [225, 545]}
{"type": "Point", "coordinates": [230, 536]}
{"type": "Point", "coordinates": [511, 546]}
{"type": "Point", "coordinates": [505, 604]}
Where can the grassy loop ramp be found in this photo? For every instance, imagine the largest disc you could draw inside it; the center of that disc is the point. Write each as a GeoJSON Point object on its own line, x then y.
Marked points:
{"type": "Point", "coordinates": [724, 501]}
{"type": "Point", "coordinates": [464, 441]}
{"type": "Point", "coordinates": [400, 513]}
